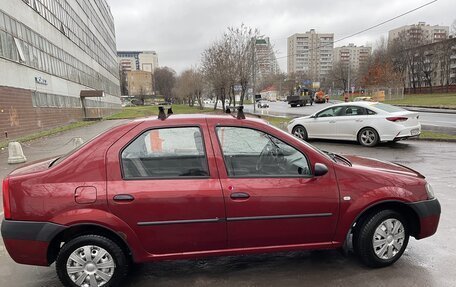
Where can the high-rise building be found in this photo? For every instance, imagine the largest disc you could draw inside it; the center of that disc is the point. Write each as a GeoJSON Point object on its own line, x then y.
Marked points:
{"type": "Point", "coordinates": [352, 55]}
{"type": "Point", "coordinates": [311, 53]}
{"type": "Point", "coordinates": [421, 32]}
{"type": "Point", "coordinates": [137, 60]}
{"type": "Point", "coordinates": [266, 60]}
{"type": "Point", "coordinates": [57, 63]}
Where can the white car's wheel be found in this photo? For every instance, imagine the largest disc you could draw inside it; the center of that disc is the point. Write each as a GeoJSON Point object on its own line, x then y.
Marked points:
{"type": "Point", "coordinates": [368, 137]}
{"type": "Point", "coordinates": [300, 132]}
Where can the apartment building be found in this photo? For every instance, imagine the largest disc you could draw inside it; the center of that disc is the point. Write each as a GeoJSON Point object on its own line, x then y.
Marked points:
{"type": "Point", "coordinates": [352, 55]}
{"type": "Point", "coordinates": [311, 53]}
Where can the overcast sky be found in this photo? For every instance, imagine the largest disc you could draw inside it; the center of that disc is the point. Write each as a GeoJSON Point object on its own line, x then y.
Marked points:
{"type": "Point", "coordinates": [179, 30]}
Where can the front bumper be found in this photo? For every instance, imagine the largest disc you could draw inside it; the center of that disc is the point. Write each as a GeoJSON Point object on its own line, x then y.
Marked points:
{"type": "Point", "coordinates": [27, 242]}
{"type": "Point", "coordinates": [428, 212]}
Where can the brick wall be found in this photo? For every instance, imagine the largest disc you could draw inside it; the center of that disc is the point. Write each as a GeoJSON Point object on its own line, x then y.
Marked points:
{"type": "Point", "coordinates": [18, 117]}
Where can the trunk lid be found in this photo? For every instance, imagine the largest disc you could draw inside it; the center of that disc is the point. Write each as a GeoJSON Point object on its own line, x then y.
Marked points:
{"type": "Point", "coordinates": [33, 167]}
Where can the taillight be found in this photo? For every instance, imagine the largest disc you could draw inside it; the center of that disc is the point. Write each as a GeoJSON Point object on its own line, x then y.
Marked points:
{"type": "Point", "coordinates": [397, 119]}
{"type": "Point", "coordinates": [6, 199]}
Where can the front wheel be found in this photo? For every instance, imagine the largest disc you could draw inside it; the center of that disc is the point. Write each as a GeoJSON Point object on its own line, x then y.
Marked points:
{"type": "Point", "coordinates": [381, 239]}
{"type": "Point", "coordinates": [91, 260]}
{"type": "Point", "coordinates": [300, 132]}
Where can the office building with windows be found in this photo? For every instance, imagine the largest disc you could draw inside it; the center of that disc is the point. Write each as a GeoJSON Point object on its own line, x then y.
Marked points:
{"type": "Point", "coordinates": [57, 63]}
{"type": "Point", "coordinates": [137, 61]}
{"type": "Point", "coordinates": [311, 54]}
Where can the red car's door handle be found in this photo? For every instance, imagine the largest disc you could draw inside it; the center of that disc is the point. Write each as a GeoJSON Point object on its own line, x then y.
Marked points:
{"type": "Point", "coordinates": [239, 195]}
{"type": "Point", "coordinates": [123, 198]}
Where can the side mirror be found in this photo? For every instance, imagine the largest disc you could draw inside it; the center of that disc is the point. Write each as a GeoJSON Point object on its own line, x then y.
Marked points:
{"type": "Point", "coordinates": [313, 116]}
{"type": "Point", "coordinates": [320, 169]}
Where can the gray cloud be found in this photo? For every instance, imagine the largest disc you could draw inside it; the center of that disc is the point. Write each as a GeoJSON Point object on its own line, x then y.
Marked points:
{"type": "Point", "coordinates": [180, 30]}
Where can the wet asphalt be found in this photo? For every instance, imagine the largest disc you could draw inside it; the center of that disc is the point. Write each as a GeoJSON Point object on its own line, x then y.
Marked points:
{"type": "Point", "coordinates": [427, 262]}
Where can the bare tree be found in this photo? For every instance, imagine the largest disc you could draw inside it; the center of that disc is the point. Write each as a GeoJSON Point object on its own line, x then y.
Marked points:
{"type": "Point", "coordinates": [241, 42]}
{"type": "Point", "coordinates": [215, 63]}
{"type": "Point", "coordinates": [453, 28]}
{"type": "Point", "coordinates": [165, 79]}
{"type": "Point", "coordinates": [229, 62]}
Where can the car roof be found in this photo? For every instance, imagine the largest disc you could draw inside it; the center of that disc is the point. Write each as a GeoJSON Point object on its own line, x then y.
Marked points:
{"type": "Point", "coordinates": [194, 117]}
{"type": "Point", "coordinates": [361, 103]}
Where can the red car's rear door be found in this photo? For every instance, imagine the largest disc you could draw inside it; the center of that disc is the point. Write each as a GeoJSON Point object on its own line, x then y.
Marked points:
{"type": "Point", "coordinates": [164, 183]}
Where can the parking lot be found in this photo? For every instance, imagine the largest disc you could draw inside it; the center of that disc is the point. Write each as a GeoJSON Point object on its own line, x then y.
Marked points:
{"type": "Point", "coordinates": [428, 262]}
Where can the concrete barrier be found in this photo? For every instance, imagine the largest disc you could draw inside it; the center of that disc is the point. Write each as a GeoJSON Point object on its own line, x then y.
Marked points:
{"type": "Point", "coordinates": [77, 142]}
{"type": "Point", "coordinates": [15, 153]}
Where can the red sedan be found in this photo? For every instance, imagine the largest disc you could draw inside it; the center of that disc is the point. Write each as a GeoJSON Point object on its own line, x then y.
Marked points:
{"type": "Point", "coordinates": [197, 186]}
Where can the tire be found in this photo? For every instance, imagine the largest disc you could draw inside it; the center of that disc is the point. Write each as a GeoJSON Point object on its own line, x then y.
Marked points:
{"type": "Point", "coordinates": [368, 137]}
{"type": "Point", "coordinates": [368, 243]}
{"type": "Point", "coordinates": [293, 105]}
{"type": "Point", "coordinates": [114, 260]}
{"type": "Point", "coordinates": [300, 132]}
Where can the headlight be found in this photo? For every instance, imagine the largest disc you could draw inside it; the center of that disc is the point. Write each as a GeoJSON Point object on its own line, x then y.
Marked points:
{"type": "Point", "coordinates": [291, 122]}
{"type": "Point", "coordinates": [430, 191]}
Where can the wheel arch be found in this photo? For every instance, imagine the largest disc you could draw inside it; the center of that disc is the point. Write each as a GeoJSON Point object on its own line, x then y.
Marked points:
{"type": "Point", "coordinates": [413, 221]}
{"type": "Point", "coordinates": [85, 229]}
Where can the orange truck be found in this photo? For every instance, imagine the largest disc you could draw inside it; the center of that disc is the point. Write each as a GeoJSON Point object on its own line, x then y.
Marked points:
{"type": "Point", "coordinates": [320, 97]}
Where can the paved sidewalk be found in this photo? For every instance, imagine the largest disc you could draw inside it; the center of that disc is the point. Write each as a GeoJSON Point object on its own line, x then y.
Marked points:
{"type": "Point", "coordinates": [55, 145]}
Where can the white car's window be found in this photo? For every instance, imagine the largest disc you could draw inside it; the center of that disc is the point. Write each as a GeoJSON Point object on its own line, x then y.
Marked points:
{"type": "Point", "coordinates": [165, 153]}
{"type": "Point", "coordinates": [251, 153]}
{"type": "Point", "coordinates": [370, 112]}
{"type": "Point", "coordinates": [354, 111]}
{"type": "Point", "coordinates": [331, 112]}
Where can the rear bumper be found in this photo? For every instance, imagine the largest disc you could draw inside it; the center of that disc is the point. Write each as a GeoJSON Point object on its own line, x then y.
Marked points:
{"type": "Point", "coordinates": [428, 212]}
{"type": "Point", "coordinates": [27, 242]}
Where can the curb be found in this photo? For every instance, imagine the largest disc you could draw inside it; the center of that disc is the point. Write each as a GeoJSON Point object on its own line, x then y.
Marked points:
{"type": "Point", "coordinates": [433, 140]}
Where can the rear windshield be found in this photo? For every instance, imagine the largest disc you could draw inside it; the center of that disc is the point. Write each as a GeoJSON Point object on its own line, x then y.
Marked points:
{"type": "Point", "coordinates": [388, 108]}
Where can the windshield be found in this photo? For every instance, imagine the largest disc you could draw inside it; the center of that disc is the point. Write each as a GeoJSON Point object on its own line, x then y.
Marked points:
{"type": "Point", "coordinates": [387, 108]}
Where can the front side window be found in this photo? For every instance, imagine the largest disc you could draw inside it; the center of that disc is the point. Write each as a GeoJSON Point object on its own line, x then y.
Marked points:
{"type": "Point", "coordinates": [331, 112]}
{"type": "Point", "coordinates": [251, 153]}
{"type": "Point", "coordinates": [166, 153]}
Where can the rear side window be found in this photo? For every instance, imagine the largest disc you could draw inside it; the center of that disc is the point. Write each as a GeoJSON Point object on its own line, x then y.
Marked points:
{"type": "Point", "coordinates": [166, 153]}
{"type": "Point", "coordinates": [354, 111]}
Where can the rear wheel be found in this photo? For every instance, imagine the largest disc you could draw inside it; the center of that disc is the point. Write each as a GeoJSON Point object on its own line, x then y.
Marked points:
{"type": "Point", "coordinates": [368, 137]}
{"type": "Point", "coordinates": [381, 239]}
{"type": "Point", "coordinates": [300, 132]}
{"type": "Point", "coordinates": [91, 260]}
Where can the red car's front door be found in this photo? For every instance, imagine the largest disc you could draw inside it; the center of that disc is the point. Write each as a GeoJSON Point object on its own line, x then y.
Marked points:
{"type": "Point", "coordinates": [164, 184]}
{"type": "Point", "coordinates": [271, 197]}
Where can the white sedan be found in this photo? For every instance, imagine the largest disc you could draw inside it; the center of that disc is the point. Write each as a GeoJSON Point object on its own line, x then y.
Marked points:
{"type": "Point", "coordinates": [366, 122]}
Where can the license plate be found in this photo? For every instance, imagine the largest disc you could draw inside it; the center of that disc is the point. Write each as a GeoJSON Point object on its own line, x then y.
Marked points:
{"type": "Point", "coordinates": [415, 132]}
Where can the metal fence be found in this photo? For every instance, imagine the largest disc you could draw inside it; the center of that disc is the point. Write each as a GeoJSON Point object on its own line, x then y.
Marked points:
{"type": "Point", "coordinates": [388, 93]}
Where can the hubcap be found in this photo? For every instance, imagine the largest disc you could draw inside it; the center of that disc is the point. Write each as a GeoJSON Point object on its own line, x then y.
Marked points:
{"type": "Point", "coordinates": [368, 137]}
{"type": "Point", "coordinates": [90, 266]}
{"type": "Point", "coordinates": [388, 239]}
{"type": "Point", "coordinates": [300, 133]}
